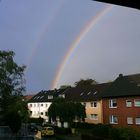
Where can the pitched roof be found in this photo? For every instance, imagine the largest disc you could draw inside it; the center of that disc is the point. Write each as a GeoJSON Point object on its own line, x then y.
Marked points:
{"type": "Point", "coordinates": [46, 96]}
{"type": "Point", "coordinates": [123, 86]}
{"type": "Point", "coordinates": [85, 93]}
{"type": "Point", "coordinates": [134, 78]}
{"type": "Point", "coordinates": [27, 97]}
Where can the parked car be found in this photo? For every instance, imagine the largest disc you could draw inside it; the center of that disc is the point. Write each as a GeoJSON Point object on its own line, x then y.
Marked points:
{"type": "Point", "coordinates": [32, 128]}
{"type": "Point", "coordinates": [5, 131]}
{"type": "Point", "coordinates": [47, 131]}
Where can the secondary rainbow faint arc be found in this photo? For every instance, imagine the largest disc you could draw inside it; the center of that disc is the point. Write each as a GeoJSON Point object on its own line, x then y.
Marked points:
{"type": "Point", "coordinates": [76, 42]}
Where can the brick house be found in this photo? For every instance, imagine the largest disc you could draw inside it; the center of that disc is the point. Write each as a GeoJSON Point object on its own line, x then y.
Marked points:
{"type": "Point", "coordinates": [121, 102]}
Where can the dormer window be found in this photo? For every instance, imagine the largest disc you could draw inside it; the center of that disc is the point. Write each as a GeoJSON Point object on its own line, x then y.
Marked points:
{"type": "Point", "coordinates": [88, 93]}
{"type": "Point", "coordinates": [62, 95]}
{"type": "Point", "coordinates": [50, 96]}
{"type": "Point", "coordinates": [95, 92]}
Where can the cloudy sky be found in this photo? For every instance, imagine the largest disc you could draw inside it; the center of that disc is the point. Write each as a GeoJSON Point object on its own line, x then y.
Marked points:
{"type": "Point", "coordinates": [64, 41]}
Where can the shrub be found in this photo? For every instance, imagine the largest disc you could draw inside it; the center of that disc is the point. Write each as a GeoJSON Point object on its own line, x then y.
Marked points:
{"type": "Point", "coordinates": [62, 130]}
{"type": "Point", "coordinates": [124, 134]}
{"type": "Point", "coordinates": [91, 137]}
{"type": "Point", "coordinates": [36, 120]}
{"type": "Point", "coordinates": [101, 130]}
{"type": "Point", "coordinates": [83, 125]}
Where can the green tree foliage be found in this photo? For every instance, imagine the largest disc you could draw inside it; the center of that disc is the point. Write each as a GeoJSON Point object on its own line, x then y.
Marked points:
{"type": "Point", "coordinates": [13, 119]}
{"type": "Point", "coordinates": [11, 88]}
{"type": "Point", "coordinates": [65, 86]}
{"type": "Point", "coordinates": [66, 111]}
{"type": "Point", "coordinates": [86, 82]}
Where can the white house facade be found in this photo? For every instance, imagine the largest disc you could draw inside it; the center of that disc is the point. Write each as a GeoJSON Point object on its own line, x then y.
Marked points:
{"type": "Point", "coordinates": [39, 109]}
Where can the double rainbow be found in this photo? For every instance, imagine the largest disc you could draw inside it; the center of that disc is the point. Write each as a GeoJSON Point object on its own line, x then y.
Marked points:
{"type": "Point", "coordinates": [91, 24]}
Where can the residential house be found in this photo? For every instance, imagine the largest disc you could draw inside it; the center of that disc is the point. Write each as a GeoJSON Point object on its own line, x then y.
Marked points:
{"type": "Point", "coordinates": [88, 96]}
{"type": "Point", "coordinates": [121, 102]}
{"type": "Point", "coordinates": [38, 105]}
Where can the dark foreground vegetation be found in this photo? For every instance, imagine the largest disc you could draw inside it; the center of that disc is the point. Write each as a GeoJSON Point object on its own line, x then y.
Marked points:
{"type": "Point", "coordinates": [105, 132]}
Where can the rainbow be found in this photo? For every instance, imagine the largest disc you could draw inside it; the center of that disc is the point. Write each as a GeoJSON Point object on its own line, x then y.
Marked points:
{"type": "Point", "coordinates": [41, 34]}
{"type": "Point", "coordinates": [76, 42]}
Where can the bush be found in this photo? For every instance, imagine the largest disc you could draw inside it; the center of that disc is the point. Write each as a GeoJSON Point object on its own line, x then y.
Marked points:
{"type": "Point", "coordinates": [62, 131]}
{"type": "Point", "coordinates": [101, 130]}
{"type": "Point", "coordinates": [36, 120]}
{"type": "Point", "coordinates": [83, 125]}
{"type": "Point", "coordinates": [91, 137]}
{"type": "Point", "coordinates": [124, 134]}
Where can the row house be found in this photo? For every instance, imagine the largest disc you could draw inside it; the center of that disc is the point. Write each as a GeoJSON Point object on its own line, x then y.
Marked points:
{"type": "Point", "coordinates": [88, 96]}
{"type": "Point", "coordinates": [121, 102]}
{"type": "Point", "coordinates": [116, 103]}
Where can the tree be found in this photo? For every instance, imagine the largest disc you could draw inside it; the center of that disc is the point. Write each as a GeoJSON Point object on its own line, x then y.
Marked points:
{"type": "Point", "coordinates": [65, 86]}
{"type": "Point", "coordinates": [66, 111]}
{"type": "Point", "coordinates": [86, 82]}
{"type": "Point", "coordinates": [11, 89]}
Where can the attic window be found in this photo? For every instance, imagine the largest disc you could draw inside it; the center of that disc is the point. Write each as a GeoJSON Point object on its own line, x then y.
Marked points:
{"type": "Point", "coordinates": [41, 97]}
{"type": "Point", "coordinates": [50, 97]}
{"type": "Point", "coordinates": [62, 95]}
{"type": "Point", "coordinates": [95, 92]}
{"type": "Point", "coordinates": [81, 93]}
{"type": "Point", "coordinates": [88, 93]}
{"type": "Point", "coordinates": [35, 97]}
{"type": "Point", "coordinates": [38, 97]}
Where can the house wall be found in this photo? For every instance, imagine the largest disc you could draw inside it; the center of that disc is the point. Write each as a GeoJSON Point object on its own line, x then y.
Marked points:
{"type": "Point", "coordinates": [122, 112]}
{"type": "Point", "coordinates": [94, 110]}
{"type": "Point", "coordinates": [39, 109]}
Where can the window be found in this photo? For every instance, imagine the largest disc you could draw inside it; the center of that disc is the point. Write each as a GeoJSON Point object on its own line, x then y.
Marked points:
{"type": "Point", "coordinates": [84, 104]}
{"type": "Point", "coordinates": [113, 119]}
{"type": "Point", "coordinates": [41, 104]}
{"type": "Point", "coordinates": [34, 105]}
{"type": "Point", "coordinates": [137, 120]}
{"type": "Point", "coordinates": [129, 120]}
{"type": "Point", "coordinates": [46, 105]}
{"type": "Point", "coordinates": [137, 102]}
{"type": "Point", "coordinates": [30, 105]}
{"type": "Point", "coordinates": [41, 113]}
{"type": "Point", "coordinates": [30, 112]}
{"type": "Point", "coordinates": [93, 104]}
{"type": "Point", "coordinates": [46, 113]}
{"type": "Point", "coordinates": [113, 103]}
{"type": "Point", "coordinates": [88, 93]}
{"type": "Point", "coordinates": [62, 95]}
{"type": "Point", "coordinates": [128, 103]}
{"type": "Point", "coordinates": [94, 116]}
{"type": "Point", "coordinates": [50, 97]}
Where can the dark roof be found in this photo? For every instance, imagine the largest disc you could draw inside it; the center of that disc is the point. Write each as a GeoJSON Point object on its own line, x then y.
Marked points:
{"type": "Point", "coordinates": [85, 93]}
{"type": "Point", "coordinates": [79, 94]}
{"type": "Point", "coordinates": [127, 3]}
{"type": "Point", "coordinates": [123, 86]}
{"type": "Point", "coordinates": [134, 78]}
{"type": "Point", "coordinates": [43, 96]}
